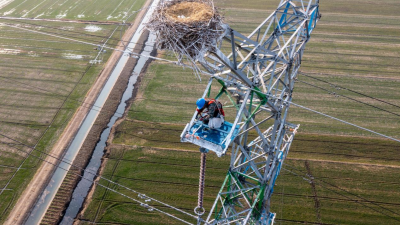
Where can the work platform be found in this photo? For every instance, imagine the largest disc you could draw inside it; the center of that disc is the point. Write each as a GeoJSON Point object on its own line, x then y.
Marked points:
{"type": "Point", "coordinates": [216, 140]}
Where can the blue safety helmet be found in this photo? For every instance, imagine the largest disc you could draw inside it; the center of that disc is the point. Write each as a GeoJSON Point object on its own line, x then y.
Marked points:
{"type": "Point", "coordinates": [200, 103]}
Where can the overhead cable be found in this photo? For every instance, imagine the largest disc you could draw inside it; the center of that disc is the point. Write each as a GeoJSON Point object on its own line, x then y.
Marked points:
{"type": "Point", "coordinates": [323, 114]}
{"type": "Point", "coordinates": [70, 31]}
{"type": "Point", "coordinates": [88, 43]}
{"type": "Point", "coordinates": [359, 202]}
{"type": "Point", "coordinates": [110, 189]}
{"type": "Point", "coordinates": [47, 128]}
{"type": "Point", "coordinates": [336, 94]}
{"type": "Point", "coordinates": [88, 171]}
{"type": "Point", "coordinates": [335, 85]}
{"type": "Point", "coordinates": [334, 186]}
{"type": "Point", "coordinates": [345, 122]}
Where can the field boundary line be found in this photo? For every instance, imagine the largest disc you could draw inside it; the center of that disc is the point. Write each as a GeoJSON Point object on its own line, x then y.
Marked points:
{"type": "Point", "coordinates": [65, 20]}
{"type": "Point", "coordinates": [383, 44]}
{"type": "Point", "coordinates": [294, 159]}
{"type": "Point", "coordinates": [363, 15]}
{"type": "Point", "coordinates": [346, 163]}
{"type": "Point", "coordinates": [344, 74]}
{"type": "Point", "coordinates": [325, 13]}
{"type": "Point", "coordinates": [39, 181]}
{"type": "Point", "coordinates": [156, 148]}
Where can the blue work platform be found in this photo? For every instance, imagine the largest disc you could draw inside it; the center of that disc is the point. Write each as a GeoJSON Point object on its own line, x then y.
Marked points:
{"type": "Point", "coordinates": [216, 140]}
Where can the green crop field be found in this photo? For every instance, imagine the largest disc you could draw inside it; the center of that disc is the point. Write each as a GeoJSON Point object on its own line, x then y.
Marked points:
{"type": "Point", "coordinates": [44, 78]}
{"type": "Point", "coordinates": [172, 176]}
{"type": "Point", "coordinates": [148, 157]}
{"type": "Point", "coordinates": [98, 10]}
{"type": "Point", "coordinates": [354, 49]}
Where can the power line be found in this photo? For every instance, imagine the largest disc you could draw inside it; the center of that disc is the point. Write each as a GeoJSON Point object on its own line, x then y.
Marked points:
{"type": "Point", "coordinates": [282, 193]}
{"type": "Point", "coordinates": [97, 183]}
{"type": "Point", "coordinates": [331, 198]}
{"type": "Point", "coordinates": [75, 32]}
{"type": "Point", "coordinates": [348, 54]}
{"type": "Point", "coordinates": [60, 96]}
{"type": "Point", "coordinates": [336, 94]}
{"type": "Point", "coordinates": [308, 180]}
{"type": "Point", "coordinates": [356, 92]}
{"type": "Point", "coordinates": [316, 178]}
{"type": "Point", "coordinates": [298, 139]}
{"type": "Point", "coordinates": [103, 178]}
{"type": "Point", "coordinates": [127, 51]}
{"type": "Point", "coordinates": [334, 186]}
{"type": "Point", "coordinates": [334, 118]}
{"type": "Point", "coordinates": [345, 122]}
{"type": "Point", "coordinates": [344, 196]}
{"type": "Point", "coordinates": [348, 123]}
{"type": "Point", "coordinates": [352, 70]}
{"type": "Point", "coordinates": [38, 68]}
{"type": "Point", "coordinates": [88, 105]}
{"type": "Point", "coordinates": [92, 105]}
{"type": "Point", "coordinates": [29, 153]}
{"type": "Point", "coordinates": [88, 43]}
{"type": "Point", "coordinates": [164, 163]}
{"type": "Point", "coordinates": [44, 133]}
{"type": "Point", "coordinates": [60, 29]}
{"type": "Point", "coordinates": [116, 112]}
{"type": "Point", "coordinates": [351, 63]}
{"type": "Point", "coordinates": [303, 222]}
{"type": "Point", "coordinates": [84, 170]}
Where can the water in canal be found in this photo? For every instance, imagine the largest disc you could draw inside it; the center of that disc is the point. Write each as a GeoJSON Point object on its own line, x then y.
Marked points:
{"type": "Point", "coordinates": [84, 185]}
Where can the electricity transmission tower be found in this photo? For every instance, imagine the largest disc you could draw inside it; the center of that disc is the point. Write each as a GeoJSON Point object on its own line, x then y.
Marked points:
{"type": "Point", "coordinates": [257, 72]}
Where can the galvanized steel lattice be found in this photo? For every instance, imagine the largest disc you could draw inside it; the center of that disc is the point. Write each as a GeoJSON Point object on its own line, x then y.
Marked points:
{"type": "Point", "coordinates": [258, 74]}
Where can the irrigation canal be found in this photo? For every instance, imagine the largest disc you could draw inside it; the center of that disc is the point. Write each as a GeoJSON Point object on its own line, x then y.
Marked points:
{"type": "Point", "coordinates": [83, 186]}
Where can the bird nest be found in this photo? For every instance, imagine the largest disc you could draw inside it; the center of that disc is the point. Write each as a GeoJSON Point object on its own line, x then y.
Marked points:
{"type": "Point", "coordinates": [188, 28]}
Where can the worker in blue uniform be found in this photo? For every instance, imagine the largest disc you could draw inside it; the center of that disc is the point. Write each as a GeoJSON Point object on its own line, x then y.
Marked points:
{"type": "Point", "coordinates": [210, 111]}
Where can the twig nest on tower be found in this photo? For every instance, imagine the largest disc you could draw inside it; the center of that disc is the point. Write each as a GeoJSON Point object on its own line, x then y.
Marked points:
{"type": "Point", "coordinates": [189, 28]}
{"type": "Point", "coordinates": [189, 12]}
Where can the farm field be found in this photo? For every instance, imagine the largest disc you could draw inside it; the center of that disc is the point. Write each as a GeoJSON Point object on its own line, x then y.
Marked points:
{"type": "Point", "coordinates": [93, 10]}
{"type": "Point", "coordinates": [43, 80]}
{"type": "Point", "coordinates": [354, 49]}
{"type": "Point", "coordinates": [171, 176]}
{"type": "Point", "coordinates": [149, 140]}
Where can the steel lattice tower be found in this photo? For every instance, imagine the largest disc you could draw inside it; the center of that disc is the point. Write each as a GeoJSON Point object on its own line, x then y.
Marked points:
{"type": "Point", "coordinates": [258, 74]}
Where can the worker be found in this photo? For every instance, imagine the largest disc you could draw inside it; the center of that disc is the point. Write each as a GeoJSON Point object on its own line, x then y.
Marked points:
{"type": "Point", "coordinates": [210, 111]}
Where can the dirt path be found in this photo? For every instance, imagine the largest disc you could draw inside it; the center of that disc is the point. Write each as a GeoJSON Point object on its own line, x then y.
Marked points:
{"type": "Point", "coordinates": [42, 176]}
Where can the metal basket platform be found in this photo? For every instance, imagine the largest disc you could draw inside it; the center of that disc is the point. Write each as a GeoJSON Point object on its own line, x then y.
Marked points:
{"type": "Point", "coordinates": [216, 140]}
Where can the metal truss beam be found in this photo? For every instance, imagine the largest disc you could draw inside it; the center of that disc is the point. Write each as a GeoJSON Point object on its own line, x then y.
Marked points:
{"type": "Point", "coordinates": [259, 70]}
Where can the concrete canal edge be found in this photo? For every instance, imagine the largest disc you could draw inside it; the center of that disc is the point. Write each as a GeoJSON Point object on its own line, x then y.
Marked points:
{"type": "Point", "coordinates": [64, 194]}
{"type": "Point", "coordinates": [111, 137]}
{"type": "Point", "coordinates": [33, 191]}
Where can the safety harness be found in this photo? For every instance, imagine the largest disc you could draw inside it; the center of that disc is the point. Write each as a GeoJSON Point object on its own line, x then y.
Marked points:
{"type": "Point", "coordinates": [219, 106]}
